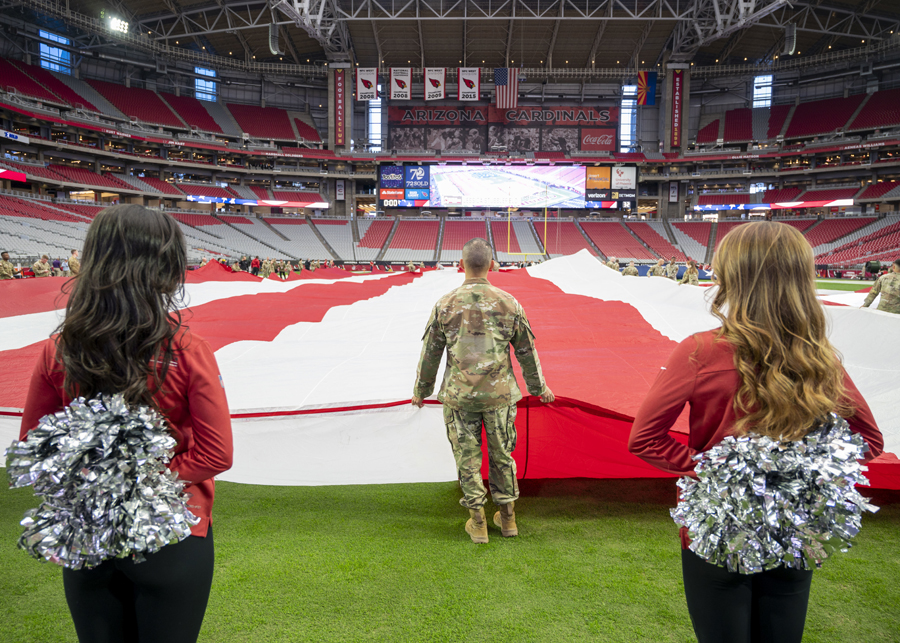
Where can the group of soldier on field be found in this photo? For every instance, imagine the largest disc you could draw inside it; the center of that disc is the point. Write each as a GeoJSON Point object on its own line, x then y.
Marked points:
{"type": "Point", "coordinates": [43, 267]}
{"type": "Point", "coordinates": [662, 269]}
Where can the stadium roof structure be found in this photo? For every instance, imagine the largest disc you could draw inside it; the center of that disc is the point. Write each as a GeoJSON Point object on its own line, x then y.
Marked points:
{"type": "Point", "coordinates": [541, 36]}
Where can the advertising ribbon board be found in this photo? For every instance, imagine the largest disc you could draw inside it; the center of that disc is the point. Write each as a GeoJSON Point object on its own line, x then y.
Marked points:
{"type": "Point", "coordinates": [367, 83]}
{"type": "Point", "coordinates": [401, 83]}
{"type": "Point", "coordinates": [597, 183]}
{"type": "Point", "coordinates": [469, 84]}
{"type": "Point", "coordinates": [435, 81]}
{"type": "Point", "coordinates": [340, 99]}
{"type": "Point", "coordinates": [623, 183]}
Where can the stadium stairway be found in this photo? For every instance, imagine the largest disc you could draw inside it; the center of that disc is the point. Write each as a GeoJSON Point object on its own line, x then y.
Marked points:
{"type": "Point", "coordinates": [856, 112]}
{"type": "Point", "coordinates": [260, 241]}
{"type": "Point", "coordinates": [670, 234]}
{"type": "Point", "coordinates": [440, 240]}
{"type": "Point", "coordinates": [639, 240]}
{"type": "Point", "coordinates": [490, 240]}
{"type": "Point", "coordinates": [269, 226]}
{"type": "Point", "coordinates": [589, 240]}
{"type": "Point", "coordinates": [223, 117]}
{"type": "Point", "coordinates": [787, 121]}
{"type": "Point", "coordinates": [711, 244]}
{"type": "Point", "coordinates": [387, 242]}
{"type": "Point", "coordinates": [535, 236]}
{"type": "Point", "coordinates": [318, 233]}
{"type": "Point", "coordinates": [91, 95]}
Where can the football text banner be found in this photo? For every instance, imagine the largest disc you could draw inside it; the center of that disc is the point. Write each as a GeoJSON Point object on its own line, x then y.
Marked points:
{"type": "Point", "coordinates": [469, 84]}
{"type": "Point", "coordinates": [401, 83]}
{"type": "Point", "coordinates": [367, 83]}
{"type": "Point", "coordinates": [677, 90]}
{"type": "Point", "coordinates": [434, 83]}
{"type": "Point", "coordinates": [340, 99]}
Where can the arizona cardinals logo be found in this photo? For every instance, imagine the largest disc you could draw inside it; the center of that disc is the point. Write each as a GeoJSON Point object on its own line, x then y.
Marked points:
{"type": "Point", "coordinates": [469, 83]}
{"type": "Point", "coordinates": [435, 82]}
{"type": "Point", "coordinates": [366, 83]}
{"type": "Point", "coordinates": [400, 83]}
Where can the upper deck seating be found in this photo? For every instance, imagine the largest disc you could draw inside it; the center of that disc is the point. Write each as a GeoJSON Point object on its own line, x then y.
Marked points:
{"type": "Point", "coordinates": [263, 122]}
{"type": "Point", "coordinates": [822, 116]}
{"type": "Point", "coordinates": [143, 104]}
{"type": "Point", "coordinates": [193, 113]}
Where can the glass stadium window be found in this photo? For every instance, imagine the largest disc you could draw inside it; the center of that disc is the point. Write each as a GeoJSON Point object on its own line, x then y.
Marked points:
{"type": "Point", "coordinates": [205, 89]}
{"type": "Point", "coordinates": [762, 91]}
{"type": "Point", "coordinates": [54, 58]}
{"type": "Point", "coordinates": [375, 123]}
{"type": "Point", "coordinates": [628, 127]}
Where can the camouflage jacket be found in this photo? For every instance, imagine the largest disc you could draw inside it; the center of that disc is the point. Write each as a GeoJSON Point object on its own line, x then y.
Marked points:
{"type": "Point", "coordinates": [672, 270]}
{"type": "Point", "coordinates": [690, 278]}
{"type": "Point", "coordinates": [41, 269]}
{"type": "Point", "coordinates": [7, 270]}
{"type": "Point", "coordinates": [74, 265]}
{"type": "Point", "coordinates": [657, 271]}
{"type": "Point", "coordinates": [476, 323]}
{"type": "Point", "coordinates": [612, 264]}
{"type": "Point", "coordinates": [630, 271]}
{"type": "Point", "coordinates": [889, 287]}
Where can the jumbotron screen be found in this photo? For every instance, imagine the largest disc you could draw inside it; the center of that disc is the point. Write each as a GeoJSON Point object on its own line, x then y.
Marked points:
{"type": "Point", "coordinates": [501, 187]}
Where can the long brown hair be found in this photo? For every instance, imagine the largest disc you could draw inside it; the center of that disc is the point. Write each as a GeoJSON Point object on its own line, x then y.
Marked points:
{"type": "Point", "coordinates": [122, 314]}
{"type": "Point", "coordinates": [791, 376]}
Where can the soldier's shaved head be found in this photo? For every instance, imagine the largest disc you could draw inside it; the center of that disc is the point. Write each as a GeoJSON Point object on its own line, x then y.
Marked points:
{"type": "Point", "coordinates": [477, 255]}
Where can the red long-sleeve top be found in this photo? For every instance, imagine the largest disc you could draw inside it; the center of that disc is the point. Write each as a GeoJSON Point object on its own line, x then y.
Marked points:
{"type": "Point", "coordinates": [193, 401]}
{"type": "Point", "coordinates": [701, 372]}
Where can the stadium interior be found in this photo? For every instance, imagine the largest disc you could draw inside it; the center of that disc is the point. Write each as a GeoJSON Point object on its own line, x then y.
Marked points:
{"type": "Point", "coordinates": [244, 120]}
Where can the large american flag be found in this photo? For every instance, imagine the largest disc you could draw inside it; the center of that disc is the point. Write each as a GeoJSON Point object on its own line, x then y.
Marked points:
{"type": "Point", "coordinates": [506, 82]}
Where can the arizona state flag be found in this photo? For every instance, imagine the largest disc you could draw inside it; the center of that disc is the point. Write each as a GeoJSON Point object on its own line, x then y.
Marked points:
{"type": "Point", "coordinates": [646, 88]}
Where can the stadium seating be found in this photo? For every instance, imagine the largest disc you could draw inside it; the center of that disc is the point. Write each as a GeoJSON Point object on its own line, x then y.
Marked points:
{"type": "Point", "coordinates": [307, 132]}
{"type": "Point", "coordinates": [884, 238]}
{"type": "Point", "coordinates": [261, 238]}
{"type": "Point", "coordinates": [14, 79]}
{"type": "Point", "coordinates": [832, 194]}
{"type": "Point", "coordinates": [801, 224]}
{"type": "Point", "coordinates": [506, 242]}
{"type": "Point", "coordinates": [212, 191]}
{"type": "Point", "coordinates": [39, 171]}
{"type": "Point", "coordinates": [878, 190]}
{"type": "Point", "coordinates": [163, 187]}
{"type": "Point", "coordinates": [777, 117]}
{"type": "Point", "coordinates": [56, 86]}
{"type": "Point", "coordinates": [142, 104]}
{"type": "Point", "coordinates": [372, 235]}
{"type": "Point", "coordinates": [456, 234]}
{"type": "Point", "coordinates": [614, 240]}
{"type": "Point", "coordinates": [709, 133]}
{"type": "Point", "coordinates": [822, 116]}
{"type": "Point", "coordinates": [651, 233]}
{"type": "Point", "coordinates": [192, 112]}
{"type": "Point", "coordinates": [831, 230]}
{"type": "Point", "coordinates": [134, 182]}
{"type": "Point", "coordinates": [882, 110]}
{"type": "Point", "coordinates": [86, 177]}
{"type": "Point", "coordinates": [693, 237]}
{"type": "Point", "coordinates": [413, 241]}
{"type": "Point", "coordinates": [722, 199]}
{"type": "Point", "coordinates": [304, 243]}
{"type": "Point", "coordinates": [243, 192]}
{"type": "Point", "coordinates": [738, 125]}
{"type": "Point", "coordinates": [562, 238]}
{"type": "Point", "coordinates": [263, 122]}
{"type": "Point", "coordinates": [297, 197]}
{"type": "Point", "coordinates": [88, 211]}
{"type": "Point", "coordinates": [261, 193]}
{"type": "Point", "coordinates": [339, 236]}
{"type": "Point", "coordinates": [723, 228]}
{"type": "Point", "coordinates": [784, 195]}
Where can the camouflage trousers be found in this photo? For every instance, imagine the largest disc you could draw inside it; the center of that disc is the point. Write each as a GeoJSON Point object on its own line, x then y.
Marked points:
{"type": "Point", "coordinates": [464, 433]}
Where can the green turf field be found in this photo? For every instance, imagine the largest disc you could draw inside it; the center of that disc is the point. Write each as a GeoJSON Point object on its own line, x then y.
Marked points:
{"type": "Point", "coordinates": [842, 284]}
{"type": "Point", "coordinates": [595, 561]}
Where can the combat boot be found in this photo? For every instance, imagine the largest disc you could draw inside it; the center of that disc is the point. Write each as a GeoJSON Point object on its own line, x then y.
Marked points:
{"type": "Point", "coordinates": [476, 526]}
{"type": "Point", "coordinates": [506, 520]}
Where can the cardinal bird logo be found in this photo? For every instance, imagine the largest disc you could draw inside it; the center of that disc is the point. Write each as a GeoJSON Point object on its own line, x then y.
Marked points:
{"type": "Point", "coordinates": [400, 83]}
{"type": "Point", "coordinates": [366, 83]}
{"type": "Point", "coordinates": [435, 82]}
{"type": "Point", "coordinates": [469, 83]}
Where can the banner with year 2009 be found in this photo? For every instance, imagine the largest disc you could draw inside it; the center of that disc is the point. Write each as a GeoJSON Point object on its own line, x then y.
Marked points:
{"type": "Point", "coordinates": [435, 81]}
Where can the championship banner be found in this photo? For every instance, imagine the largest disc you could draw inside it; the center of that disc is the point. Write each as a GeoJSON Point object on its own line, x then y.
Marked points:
{"type": "Point", "coordinates": [597, 183]}
{"type": "Point", "coordinates": [435, 79]}
{"type": "Point", "coordinates": [339, 190]}
{"type": "Point", "coordinates": [469, 83]}
{"type": "Point", "coordinates": [401, 83]}
{"type": "Point", "coordinates": [340, 100]}
{"type": "Point", "coordinates": [677, 90]}
{"type": "Point", "coordinates": [673, 192]}
{"type": "Point", "coordinates": [646, 88]}
{"type": "Point", "coordinates": [367, 83]}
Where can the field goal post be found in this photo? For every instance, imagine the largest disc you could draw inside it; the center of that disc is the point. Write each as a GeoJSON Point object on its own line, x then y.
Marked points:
{"type": "Point", "coordinates": [509, 213]}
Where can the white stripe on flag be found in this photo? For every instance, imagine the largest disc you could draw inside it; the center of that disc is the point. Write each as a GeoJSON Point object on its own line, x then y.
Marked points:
{"type": "Point", "coordinates": [506, 82]}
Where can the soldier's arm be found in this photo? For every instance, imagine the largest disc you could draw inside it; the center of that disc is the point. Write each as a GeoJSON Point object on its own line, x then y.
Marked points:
{"type": "Point", "coordinates": [523, 347]}
{"type": "Point", "coordinates": [873, 293]}
{"type": "Point", "coordinates": [433, 343]}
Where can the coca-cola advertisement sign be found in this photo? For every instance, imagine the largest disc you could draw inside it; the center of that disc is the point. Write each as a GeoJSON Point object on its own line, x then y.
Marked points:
{"type": "Point", "coordinates": [598, 140]}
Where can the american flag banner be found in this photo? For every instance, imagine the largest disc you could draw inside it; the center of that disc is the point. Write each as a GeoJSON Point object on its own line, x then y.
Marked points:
{"type": "Point", "coordinates": [506, 82]}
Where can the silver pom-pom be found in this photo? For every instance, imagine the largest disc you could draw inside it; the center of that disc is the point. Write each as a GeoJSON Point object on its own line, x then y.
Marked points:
{"type": "Point", "coordinates": [759, 503]}
{"type": "Point", "coordinates": [100, 466]}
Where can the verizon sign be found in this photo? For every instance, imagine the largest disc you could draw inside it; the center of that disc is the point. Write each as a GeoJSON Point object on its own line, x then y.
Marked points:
{"type": "Point", "coordinates": [598, 140]}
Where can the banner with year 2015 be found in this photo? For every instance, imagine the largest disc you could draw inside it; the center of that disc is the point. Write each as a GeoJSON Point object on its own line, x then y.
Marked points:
{"type": "Point", "coordinates": [469, 84]}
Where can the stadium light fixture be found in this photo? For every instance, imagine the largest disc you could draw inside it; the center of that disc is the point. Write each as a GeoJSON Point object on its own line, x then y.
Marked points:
{"type": "Point", "coordinates": [118, 25]}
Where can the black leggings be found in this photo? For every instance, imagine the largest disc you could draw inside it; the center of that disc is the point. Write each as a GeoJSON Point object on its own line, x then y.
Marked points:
{"type": "Point", "coordinates": [727, 607]}
{"type": "Point", "coordinates": [161, 600]}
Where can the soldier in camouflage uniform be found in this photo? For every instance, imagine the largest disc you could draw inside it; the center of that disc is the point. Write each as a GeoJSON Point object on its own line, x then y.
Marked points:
{"type": "Point", "coordinates": [74, 264]}
{"type": "Point", "coordinates": [7, 270]}
{"type": "Point", "coordinates": [659, 270]}
{"type": "Point", "coordinates": [889, 287]}
{"type": "Point", "coordinates": [41, 268]}
{"type": "Point", "coordinates": [612, 263]}
{"type": "Point", "coordinates": [476, 323]}
{"type": "Point", "coordinates": [691, 275]}
{"type": "Point", "coordinates": [630, 270]}
{"type": "Point", "coordinates": [672, 270]}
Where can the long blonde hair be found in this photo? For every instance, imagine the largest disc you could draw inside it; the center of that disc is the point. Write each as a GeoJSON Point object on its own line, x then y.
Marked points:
{"type": "Point", "coordinates": [791, 376]}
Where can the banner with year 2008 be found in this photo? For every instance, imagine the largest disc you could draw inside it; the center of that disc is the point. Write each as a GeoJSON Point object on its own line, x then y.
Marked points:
{"type": "Point", "coordinates": [401, 83]}
{"type": "Point", "coordinates": [366, 83]}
